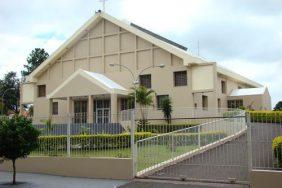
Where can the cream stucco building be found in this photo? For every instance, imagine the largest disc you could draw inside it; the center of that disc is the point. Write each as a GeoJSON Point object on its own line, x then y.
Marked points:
{"type": "Point", "coordinates": [78, 77]}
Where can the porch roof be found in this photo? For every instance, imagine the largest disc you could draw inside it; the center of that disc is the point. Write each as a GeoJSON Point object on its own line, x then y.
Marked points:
{"type": "Point", "coordinates": [84, 83]}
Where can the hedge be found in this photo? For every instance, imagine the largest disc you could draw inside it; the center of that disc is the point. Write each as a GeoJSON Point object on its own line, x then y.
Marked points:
{"type": "Point", "coordinates": [277, 149]}
{"type": "Point", "coordinates": [97, 141]}
{"type": "Point", "coordinates": [120, 141]}
{"type": "Point", "coordinates": [266, 116]}
{"type": "Point", "coordinates": [163, 128]}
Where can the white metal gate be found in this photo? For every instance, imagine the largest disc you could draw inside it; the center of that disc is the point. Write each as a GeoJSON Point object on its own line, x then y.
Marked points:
{"type": "Point", "coordinates": [211, 151]}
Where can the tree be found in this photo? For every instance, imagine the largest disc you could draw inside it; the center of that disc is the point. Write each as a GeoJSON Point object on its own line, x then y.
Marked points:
{"type": "Point", "coordinates": [10, 91]}
{"type": "Point", "coordinates": [35, 58]}
{"type": "Point", "coordinates": [17, 139]}
{"type": "Point", "coordinates": [144, 98]}
{"type": "Point", "coordinates": [167, 109]}
{"type": "Point", "coordinates": [278, 106]}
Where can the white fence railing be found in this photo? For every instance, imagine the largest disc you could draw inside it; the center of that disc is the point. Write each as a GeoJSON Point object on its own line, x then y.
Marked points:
{"type": "Point", "coordinates": [165, 149]}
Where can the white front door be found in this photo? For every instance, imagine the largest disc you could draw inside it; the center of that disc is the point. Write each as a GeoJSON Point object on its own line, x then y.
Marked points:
{"type": "Point", "coordinates": [103, 111]}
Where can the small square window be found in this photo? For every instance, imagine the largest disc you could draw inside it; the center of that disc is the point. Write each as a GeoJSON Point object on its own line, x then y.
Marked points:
{"type": "Point", "coordinates": [55, 108]}
{"type": "Point", "coordinates": [160, 99]}
{"type": "Point", "coordinates": [145, 80]}
{"type": "Point", "coordinates": [41, 90]}
{"type": "Point", "coordinates": [180, 78]}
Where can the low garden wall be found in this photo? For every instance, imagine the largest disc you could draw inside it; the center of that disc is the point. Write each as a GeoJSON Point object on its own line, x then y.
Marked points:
{"type": "Point", "coordinates": [110, 168]}
{"type": "Point", "coordinates": [266, 178]}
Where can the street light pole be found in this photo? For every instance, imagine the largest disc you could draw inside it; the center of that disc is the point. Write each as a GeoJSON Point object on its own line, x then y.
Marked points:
{"type": "Point", "coordinates": [135, 80]}
{"type": "Point", "coordinates": [2, 97]}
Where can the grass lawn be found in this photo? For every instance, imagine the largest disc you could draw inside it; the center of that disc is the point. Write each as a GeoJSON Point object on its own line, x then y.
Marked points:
{"type": "Point", "coordinates": [146, 155]}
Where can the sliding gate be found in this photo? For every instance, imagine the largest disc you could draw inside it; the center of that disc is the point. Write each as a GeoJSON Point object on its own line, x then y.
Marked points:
{"type": "Point", "coordinates": [212, 151]}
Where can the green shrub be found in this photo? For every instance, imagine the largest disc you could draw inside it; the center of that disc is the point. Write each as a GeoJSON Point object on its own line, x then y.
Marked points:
{"type": "Point", "coordinates": [266, 116]}
{"type": "Point", "coordinates": [54, 144]}
{"type": "Point", "coordinates": [232, 113]}
{"type": "Point", "coordinates": [163, 128]}
{"type": "Point", "coordinates": [277, 149]}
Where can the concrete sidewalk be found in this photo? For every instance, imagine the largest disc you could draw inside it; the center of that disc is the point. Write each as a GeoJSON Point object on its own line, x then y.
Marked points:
{"type": "Point", "coordinates": [28, 180]}
{"type": "Point", "coordinates": [148, 183]}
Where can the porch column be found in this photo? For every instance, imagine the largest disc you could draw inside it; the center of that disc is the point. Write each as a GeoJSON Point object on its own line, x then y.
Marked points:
{"type": "Point", "coordinates": [50, 111]}
{"type": "Point", "coordinates": [114, 110]}
{"type": "Point", "coordinates": [90, 109]}
{"type": "Point", "coordinates": [69, 106]}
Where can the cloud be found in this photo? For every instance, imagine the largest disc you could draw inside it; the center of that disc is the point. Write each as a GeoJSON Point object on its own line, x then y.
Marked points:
{"type": "Point", "coordinates": [245, 36]}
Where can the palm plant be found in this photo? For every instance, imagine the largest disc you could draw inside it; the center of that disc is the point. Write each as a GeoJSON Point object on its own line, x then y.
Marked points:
{"type": "Point", "coordinates": [144, 98]}
{"type": "Point", "coordinates": [166, 106]}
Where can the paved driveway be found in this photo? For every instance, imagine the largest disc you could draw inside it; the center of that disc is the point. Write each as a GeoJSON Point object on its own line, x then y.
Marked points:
{"type": "Point", "coordinates": [28, 180]}
{"type": "Point", "coordinates": [177, 184]}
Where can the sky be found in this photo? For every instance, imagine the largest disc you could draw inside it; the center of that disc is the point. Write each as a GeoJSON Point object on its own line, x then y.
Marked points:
{"type": "Point", "coordinates": [242, 35]}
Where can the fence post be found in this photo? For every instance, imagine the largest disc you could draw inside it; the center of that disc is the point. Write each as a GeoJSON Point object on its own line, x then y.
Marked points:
{"type": "Point", "coordinates": [132, 143]}
{"type": "Point", "coordinates": [68, 136]}
{"type": "Point", "coordinates": [249, 141]}
{"type": "Point", "coordinates": [199, 136]}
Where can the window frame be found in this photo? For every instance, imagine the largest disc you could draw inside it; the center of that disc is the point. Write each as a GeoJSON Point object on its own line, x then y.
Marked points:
{"type": "Point", "coordinates": [55, 112]}
{"type": "Point", "coordinates": [39, 92]}
{"type": "Point", "coordinates": [158, 100]}
{"type": "Point", "coordinates": [180, 83]}
{"type": "Point", "coordinates": [126, 104]}
{"type": "Point", "coordinates": [223, 87]}
{"type": "Point", "coordinates": [144, 76]}
{"type": "Point", "coordinates": [205, 102]}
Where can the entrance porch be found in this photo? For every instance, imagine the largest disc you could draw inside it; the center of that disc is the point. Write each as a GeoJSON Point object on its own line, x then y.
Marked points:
{"type": "Point", "coordinates": [90, 98]}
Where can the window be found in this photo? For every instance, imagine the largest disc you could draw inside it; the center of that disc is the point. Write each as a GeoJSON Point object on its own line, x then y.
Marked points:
{"type": "Point", "coordinates": [218, 103]}
{"type": "Point", "coordinates": [80, 111]}
{"type": "Point", "coordinates": [160, 99]}
{"type": "Point", "coordinates": [223, 86]}
{"type": "Point", "coordinates": [180, 78]}
{"type": "Point", "coordinates": [235, 103]}
{"type": "Point", "coordinates": [204, 102]}
{"type": "Point", "coordinates": [55, 107]}
{"type": "Point", "coordinates": [145, 80]}
{"type": "Point", "coordinates": [41, 90]}
{"type": "Point", "coordinates": [127, 103]}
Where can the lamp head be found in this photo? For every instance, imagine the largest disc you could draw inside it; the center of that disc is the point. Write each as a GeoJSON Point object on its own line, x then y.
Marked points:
{"type": "Point", "coordinates": [161, 65]}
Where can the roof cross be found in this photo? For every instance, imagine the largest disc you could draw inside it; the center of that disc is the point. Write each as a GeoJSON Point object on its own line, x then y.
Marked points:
{"type": "Point", "coordinates": [104, 4]}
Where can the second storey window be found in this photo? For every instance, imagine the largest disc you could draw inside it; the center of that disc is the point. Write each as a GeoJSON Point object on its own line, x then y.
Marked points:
{"type": "Point", "coordinates": [145, 80]}
{"type": "Point", "coordinates": [223, 86]}
{"type": "Point", "coordinates": [160, 99]}
{"type": "Point", "coordinates": [180, 78]}
{"type": "Point", "coordinates": [41, 90]}
{"type": "Point", "coordinates": [55, 108]}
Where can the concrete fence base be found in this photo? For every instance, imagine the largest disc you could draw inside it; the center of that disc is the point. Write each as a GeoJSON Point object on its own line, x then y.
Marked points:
{"type": "Point", "coordinates": [266, 179]}
{"type": "Point", "coordinates": [110, 168]}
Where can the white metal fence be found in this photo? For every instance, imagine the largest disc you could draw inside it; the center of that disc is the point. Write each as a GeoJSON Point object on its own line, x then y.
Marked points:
{"type": "Point", "coordinates": [169, 155]}
{"type": "Point", "coordinates": [79, 135]}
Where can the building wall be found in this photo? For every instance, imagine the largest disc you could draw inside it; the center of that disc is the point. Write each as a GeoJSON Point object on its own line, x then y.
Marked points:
{"type": "Point", "coordinates": [230, 85]}
{"type": "Point", "coordinates": [105, 44]}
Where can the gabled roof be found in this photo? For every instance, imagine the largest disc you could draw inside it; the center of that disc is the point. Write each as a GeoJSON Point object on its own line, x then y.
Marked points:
{"type": "Point", "coordinates": [236, 76]}
{"type": "Point", "coordinates": [248, 91]}
{"type": "Point", "coordinates": [159, 37]}
{"type": "Point", "coordinates": [155, 39]}
{"type": "Point", "coordinates": [96, 83]}
{"type": "Point", "coordinates": [187, 59]}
